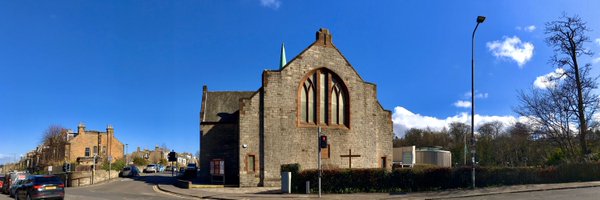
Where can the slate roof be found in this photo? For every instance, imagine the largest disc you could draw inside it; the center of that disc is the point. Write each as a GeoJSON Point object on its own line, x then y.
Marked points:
{"type": "Point", "coordinates": [223, 106]}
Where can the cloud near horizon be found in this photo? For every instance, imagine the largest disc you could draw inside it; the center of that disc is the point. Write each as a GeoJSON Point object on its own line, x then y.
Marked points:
{"type": "Point", "coordinates": [273, 4]}
{"type": "Point", "coordinates": [404, 120]}
{"type": "Point", "coordinates": [4, 158]}
{"type": "Point", "coordinates": [513, 48]}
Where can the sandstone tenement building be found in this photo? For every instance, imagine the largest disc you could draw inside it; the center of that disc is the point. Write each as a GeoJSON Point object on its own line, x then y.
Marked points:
{"type": "Point", "coordinates": [152, 156]}
{"type": "Point", "coordinates": [84, 144]}
{"type": "Point", "coordinates": [249, 135]}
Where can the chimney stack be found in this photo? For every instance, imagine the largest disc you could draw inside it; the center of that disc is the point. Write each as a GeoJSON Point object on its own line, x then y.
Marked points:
{"type": "Point", "coordinates": [110, 131]}
{"type": "Point", "coordinates": [324, 37]}
{"type": "Point", "coordinates": [81, 128]}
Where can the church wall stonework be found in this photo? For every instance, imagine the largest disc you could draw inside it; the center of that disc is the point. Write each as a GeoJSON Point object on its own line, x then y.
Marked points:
{"type": "Point", "coordinates": [369, 135]}
{"type": "Point", "coordinates": [250, 136]}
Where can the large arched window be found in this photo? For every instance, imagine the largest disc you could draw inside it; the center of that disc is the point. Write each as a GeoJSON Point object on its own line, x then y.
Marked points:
{"type": "Point", "coordinates": [323, 100]}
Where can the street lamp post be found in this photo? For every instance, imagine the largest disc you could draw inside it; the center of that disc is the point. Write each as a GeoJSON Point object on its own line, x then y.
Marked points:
{"type": "Point", "coordinates": [480, 20]}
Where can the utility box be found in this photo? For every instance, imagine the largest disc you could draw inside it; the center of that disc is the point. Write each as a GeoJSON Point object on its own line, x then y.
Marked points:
{"type": "Point", "coordinates": [286, 182]}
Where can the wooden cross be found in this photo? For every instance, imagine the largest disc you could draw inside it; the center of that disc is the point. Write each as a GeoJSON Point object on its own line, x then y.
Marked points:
{"type": "Point", "coordinates": [349, 156]}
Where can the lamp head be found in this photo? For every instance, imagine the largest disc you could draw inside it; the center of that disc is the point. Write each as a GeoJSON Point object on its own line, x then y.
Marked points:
{"type": "Point", "coordinates": [480, 19]}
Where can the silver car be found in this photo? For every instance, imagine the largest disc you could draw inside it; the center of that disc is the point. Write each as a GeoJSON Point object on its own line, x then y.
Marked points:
{"type": "Point", "coordinates": [150, 168]}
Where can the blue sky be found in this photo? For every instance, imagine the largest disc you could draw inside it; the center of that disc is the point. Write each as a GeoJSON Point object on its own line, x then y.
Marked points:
{"type": "Point", "coordinates": [140, 65]}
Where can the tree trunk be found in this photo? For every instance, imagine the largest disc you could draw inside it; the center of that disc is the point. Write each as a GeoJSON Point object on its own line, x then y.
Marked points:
{"type": "Point", "coordinates": [580, 110]}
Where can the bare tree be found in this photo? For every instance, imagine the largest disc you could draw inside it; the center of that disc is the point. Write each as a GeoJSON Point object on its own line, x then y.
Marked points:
{"type": "Point", "coordinates": [491, 129]}
{"type": "Point", "coordinates": [567, 36]}
{"type": "Point", "coordinates": [548, 111]}
{"type": "Point", "coordinates": [164, 147]}
{"type": "Point", "coordinates": [53, 142]}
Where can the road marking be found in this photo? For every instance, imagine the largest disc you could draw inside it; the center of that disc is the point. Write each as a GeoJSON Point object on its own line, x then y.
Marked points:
{"type": "Point", "coordinates": [155, 188]}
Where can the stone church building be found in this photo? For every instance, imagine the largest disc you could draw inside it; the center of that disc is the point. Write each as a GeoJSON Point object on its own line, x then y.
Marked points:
{"type": "Point", "coordinates": [247, 135]}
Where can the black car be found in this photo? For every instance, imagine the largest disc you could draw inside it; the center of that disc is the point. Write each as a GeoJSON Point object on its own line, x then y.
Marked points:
{"type": "Point", "coordinates": [41, 187]}
{"type": "Point", "coordinates": [129, 171]}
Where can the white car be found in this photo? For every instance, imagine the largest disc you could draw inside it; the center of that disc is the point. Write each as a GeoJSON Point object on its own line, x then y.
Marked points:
{"type": "Point", "coordinates": [150, 168]}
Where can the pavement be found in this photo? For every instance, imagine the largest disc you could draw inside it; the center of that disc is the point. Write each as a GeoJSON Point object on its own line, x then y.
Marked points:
{"type": "Point", "coordinates": [274, 192]}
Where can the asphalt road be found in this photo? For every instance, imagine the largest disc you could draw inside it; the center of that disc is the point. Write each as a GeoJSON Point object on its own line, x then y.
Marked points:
{"type": "Point", "coordinates": [592, 193]}
{"type": "Point", "coordinates": [142, 187]}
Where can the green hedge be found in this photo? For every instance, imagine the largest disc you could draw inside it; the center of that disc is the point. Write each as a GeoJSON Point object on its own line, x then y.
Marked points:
{"type": "Point", "coordinates": [427, 179]}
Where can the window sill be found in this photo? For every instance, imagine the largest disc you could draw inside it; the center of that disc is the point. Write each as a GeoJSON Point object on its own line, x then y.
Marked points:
{"type": "Point", "coordinates": [307, 125]}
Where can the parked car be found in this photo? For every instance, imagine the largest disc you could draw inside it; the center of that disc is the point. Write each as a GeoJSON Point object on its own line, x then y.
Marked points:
{"type": "Point", "coordinates": [15, 186]}
{"type": "Point", "coordinates": [41, 187]}
{"type": "Point", "coordinates": [191, 171]}
{"type": "Point", "coordinates": [1, 180]}
{"type": "Point", "coordinates": [129, 171]}
{"type": "Point", "coordinates": [4, 183]}
{"type": "Point", "coordinates": [161, 168]}
{"type": "Point", "coordinates": [169, 168]}
{"type": "Point", "coordinates": [150, 168]}
{"type": "Point", "coordinates": [192, 167]}
{"type": "Point", "coordinates": [11, 179]}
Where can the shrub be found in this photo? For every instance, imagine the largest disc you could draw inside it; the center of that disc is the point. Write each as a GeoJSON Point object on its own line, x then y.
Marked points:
{"type": "Point", "coordinates": [436, 178]}
{"type": "Point", "coordinates": [118, 164]}
{"type": "Point", "coordinates": [294, 168]}
{"type": "Point", "coordinates": [139, 161]}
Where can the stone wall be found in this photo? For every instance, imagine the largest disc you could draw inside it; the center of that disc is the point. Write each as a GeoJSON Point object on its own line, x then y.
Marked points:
{"type": "Point", "coordinates": [220, 141]}
{"type": "Point", "coordinates": [77, 179]}
{"type": "Point", "coordinates": [269, 124]}
{"type": "Point", "coordinates": [251, 129]}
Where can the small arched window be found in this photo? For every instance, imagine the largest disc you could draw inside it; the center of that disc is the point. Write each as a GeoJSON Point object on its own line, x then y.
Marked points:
{"type": "Point", "coordinates": [323, 99]}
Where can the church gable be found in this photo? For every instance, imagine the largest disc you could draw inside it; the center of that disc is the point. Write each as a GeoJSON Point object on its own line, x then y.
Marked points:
{"type": "Point", "coordinates": [278, 123]}
{"type": "Point", "coordinates": [318, 88]}
{"type": "Point", "coordinates": [313, 57]}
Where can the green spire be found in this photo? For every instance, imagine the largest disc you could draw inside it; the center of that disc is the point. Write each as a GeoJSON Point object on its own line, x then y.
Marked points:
{"type": "Point", "coordinates": [283, 60]}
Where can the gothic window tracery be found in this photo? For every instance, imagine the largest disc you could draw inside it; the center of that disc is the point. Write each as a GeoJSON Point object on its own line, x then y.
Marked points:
{"type": "Point", "coordinates": [323, 100]}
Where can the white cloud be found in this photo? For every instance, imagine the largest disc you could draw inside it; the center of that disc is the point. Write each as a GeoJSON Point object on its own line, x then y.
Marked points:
{"type": "Point", "coordinates": [512, 47]}
{"type": "Point", "coordinates": [274, 4]}
{"type": "Point", "coordinates": [529, 28]}
{"type": "Point", "coordinates": [477, 95]}
{"type": "Point", "coordinates": [462, 104]}
{"type": "Point", "coordinates": [596, 60]}
{"type": "Point", "coordinates": [548, 80]}
{"type": "Point", "coordinates": [597, 41]}
{"type": "Point", "coordinates": [404, 120]}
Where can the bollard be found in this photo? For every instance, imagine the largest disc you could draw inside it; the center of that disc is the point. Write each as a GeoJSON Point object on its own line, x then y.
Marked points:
{"type": "Point", "coordinates": [307, 187]}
